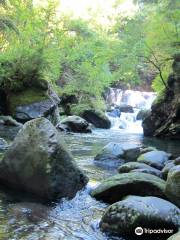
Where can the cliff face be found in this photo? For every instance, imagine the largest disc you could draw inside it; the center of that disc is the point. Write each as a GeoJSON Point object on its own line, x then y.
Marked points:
{"type": "Point", "coordinates": [164, 119]}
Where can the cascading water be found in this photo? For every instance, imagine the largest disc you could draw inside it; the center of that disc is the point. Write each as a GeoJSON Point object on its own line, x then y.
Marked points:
{"type": "Point", "coordinates": [124, 105]}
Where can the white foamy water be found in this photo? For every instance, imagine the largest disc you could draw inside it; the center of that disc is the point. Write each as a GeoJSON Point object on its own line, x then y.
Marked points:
{"type": "Point", "coordinates": [137, 100]}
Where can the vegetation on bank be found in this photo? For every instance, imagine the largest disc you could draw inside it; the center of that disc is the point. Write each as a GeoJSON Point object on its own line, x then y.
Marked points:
{"type": "Point", "coordinates": [84, 57]}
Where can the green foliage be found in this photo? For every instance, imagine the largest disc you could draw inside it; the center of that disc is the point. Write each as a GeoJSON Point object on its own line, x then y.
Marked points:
{"type": "Point", "coordinates": [81, 57]}
{"type": "Point", "coordinates": [32, 57]}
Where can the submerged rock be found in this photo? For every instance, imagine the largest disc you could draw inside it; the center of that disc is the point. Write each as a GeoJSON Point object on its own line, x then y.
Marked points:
{"type": "Point", "coordinates": [122, 218]}
{"type": "Point", "coordinates": [115, 188]}
{"type": "Point", "coordinates": [139, 167]}
{"type": "Point", "coordinates": [76, 124]}
{"type": "Point", "coordinates": [38, 163]}
{"type": "Point", "coordinates": [156, 159]}
{"type": "Point", "coordinates": [97, 118]}
{"type": "Point", "coordinates": [173, 185]}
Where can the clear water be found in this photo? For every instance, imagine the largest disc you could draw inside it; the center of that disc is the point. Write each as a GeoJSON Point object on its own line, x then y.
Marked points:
{"type": "Point", "coordinates": [79, 217]}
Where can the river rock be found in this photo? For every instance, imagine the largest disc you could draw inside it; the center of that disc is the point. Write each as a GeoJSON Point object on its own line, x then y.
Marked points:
{"type": "Point", "coordinates": [125, 108]}
{"type": "Point", "coordinates": [115, 113]}
{"type": "Point", "coordinates": [112, 151]}
{"type": "Point", "coordinates": [167, 168]}
{"type": "Point", "coordinates": [38, 162]}
{"type": "Point", "coordinates": [131, 151]}
{"type": "Point", "coordinates": [97, 118]}
{"type": "Point", "coordinates": [139, 167]}
{"type": "Point", "coordinates": [76, 124]}
{"type": "Point", "coordinates": [115, 188]}
{"type": "Point", "coordinates": [9, 127]}
{"type": "Point", "coordinates": [142, 114]}
{"type": "Point", "coordinates": [147, 149]}
{"type": "Point", "coordinates": [156, 159]}
{"type": "Point", "coordinates": [175, 236]}
{"type": "Point", "coordinates": [177, 161]}
{"type": "Point", "coordinates": [3, 144]}
{"type": "Point", "coordinates": [123, 217]}
{"type": "Point", "coordinates": [173, 185]}
{"type": "Point", "coordinates": [48, 107]}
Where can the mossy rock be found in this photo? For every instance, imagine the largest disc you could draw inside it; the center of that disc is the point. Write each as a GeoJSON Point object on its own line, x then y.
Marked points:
{"type": "Point", "coordinates": [26, 97]}
{"type": "Point", "coordinates": [122, 218]}
{"type": "Point", "coordinates": [119, 186]}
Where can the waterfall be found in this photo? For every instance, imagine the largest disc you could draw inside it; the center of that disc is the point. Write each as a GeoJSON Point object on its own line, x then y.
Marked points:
{"type": "Point", "coordinates": [124, 106]}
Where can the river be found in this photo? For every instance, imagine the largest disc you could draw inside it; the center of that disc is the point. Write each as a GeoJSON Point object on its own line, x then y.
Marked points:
{"type": "Point", "coordinates": [77, 218]}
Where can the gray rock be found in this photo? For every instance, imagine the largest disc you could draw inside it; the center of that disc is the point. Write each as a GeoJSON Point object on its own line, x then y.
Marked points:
{"type": "Point", "coordinates": [167, 168]}
{"type": "Point", "coordinates": [173, 185]}
{"type": "Point", "coordinates": [76, 124]}
{"type": "Point", "coordinates": [122, 218]}
{"type": "Point", "coordinates": [9, 121]}
{"type": "Point", "coordinates": [139, 167]}
{"type": "Point", "coordinates": [115, 188]}
{"type": "Point", "coordinates": [45, 108]}
{"type": "Point", "coordinates": [3, 145]}
{"type": "Point", "coordinates": [122, 125]}
{"type": "Point", "coordinates": [175, 236]}
{"type": "Point", "coordinates": [115, 113]}
{"type": "Point", "coordinates": [131, 152]}
{"type": "Point", "coordinates": [9, 127]}
{"type": "Point", "coordinates": [38, 162]}
{"type": "Point", "coordinates": [97, 118]}
{"type": "Point", "coordinates": [111, 151]}
{"type": "Point", "coordinates": [142, 114]}
{"type": "Point", "coordinates": [126, 108]}
{"type": "Point", "coordinates": [177, 161]}
{"type": "Point", "coordinates": [147, 149]}
{"type": "Point", "coordinates": [156, 159]}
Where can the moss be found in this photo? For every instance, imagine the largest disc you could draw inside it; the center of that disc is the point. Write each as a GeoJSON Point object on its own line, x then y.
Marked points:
{"type": "Point", "coordinates": [26, 97]}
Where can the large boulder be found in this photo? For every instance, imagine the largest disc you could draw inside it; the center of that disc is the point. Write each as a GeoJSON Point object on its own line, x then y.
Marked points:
{"type": "Point", "coordinates": [76, 124]}
{"type": "Point", "coordinates": [97, 118]}
{"type": "Point", "coordinates": [46, 106]}
{"type": "Point", "coordinates": [173, 185]}
{"type": "Point", "coordinates": [135, 213]}
{"type": "Point", "coordinates": [38, 162]}
{"type": "Point", "coordinates": [115, 188]}
{"type": "Point", "coordinates": [139, 167]}
{"type": "Point", "coordinates": [156, 159]}
{"type": "Point", "coordinates": [163, 121]}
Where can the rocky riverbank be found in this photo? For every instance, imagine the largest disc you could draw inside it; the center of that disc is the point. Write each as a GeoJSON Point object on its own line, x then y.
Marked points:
{"type": "Point", "coordinates": [164, 118]}
{"type": "Point", "coordinates": [144, 194]}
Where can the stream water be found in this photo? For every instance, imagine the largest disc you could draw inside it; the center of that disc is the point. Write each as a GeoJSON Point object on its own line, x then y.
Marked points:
{"type": "Point", "coordinates": [77, 218]}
